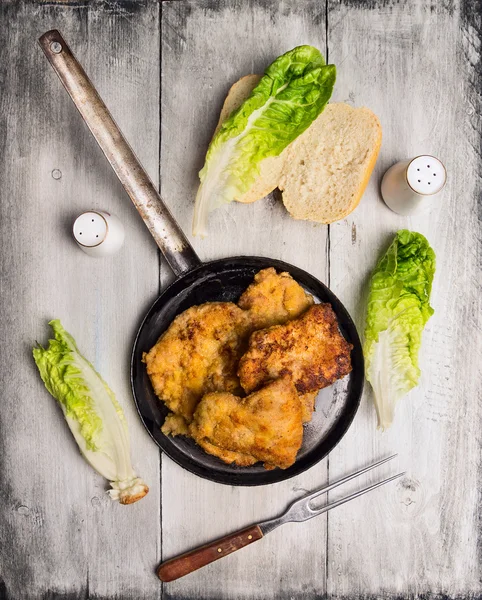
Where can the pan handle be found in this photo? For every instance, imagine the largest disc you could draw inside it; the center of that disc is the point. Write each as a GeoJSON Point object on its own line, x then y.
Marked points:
{"type": "Point", "coordinates": [168, 236]}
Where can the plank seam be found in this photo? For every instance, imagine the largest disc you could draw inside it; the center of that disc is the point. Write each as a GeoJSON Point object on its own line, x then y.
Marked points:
{"type": "Point", "coordinates": [328, 254]}
{"type": "Point", "coordinates": [471, 32]}
{"type": "Point", "coordinates": [161, 514]}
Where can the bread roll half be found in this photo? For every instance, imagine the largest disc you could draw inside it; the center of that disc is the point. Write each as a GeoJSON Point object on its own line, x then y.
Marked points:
{"type": "Point", "coordinates": [324, 172]}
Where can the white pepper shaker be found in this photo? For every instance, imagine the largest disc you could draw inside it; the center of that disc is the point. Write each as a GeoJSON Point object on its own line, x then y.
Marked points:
{"type": "Point", "coordinates": [98, 233]}
{"type": "Point", "coordinates": [409, 184]}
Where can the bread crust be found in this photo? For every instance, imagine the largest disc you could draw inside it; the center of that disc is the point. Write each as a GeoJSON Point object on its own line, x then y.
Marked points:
{"type": "Point", "coordinates": [237, 94]}
{"type": "Point", "coordinates": [369, 169]}
{"type": "Point", "coordinates": [320, 206]}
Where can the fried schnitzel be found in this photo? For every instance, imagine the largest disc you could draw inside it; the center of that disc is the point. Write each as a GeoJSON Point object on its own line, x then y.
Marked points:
{"type": "Point", "coordinates": [198, 353]}
{"type": "Point", "coordinates": [273, 299]}
{"type": "Point", "coordinates": [265, 425]}
{"type": "Point", "coordinates": [177, 425]}
{"type": "Point", "coordinates": [227, 456]}
{"type": "Point", "coordinates": [310, 349]}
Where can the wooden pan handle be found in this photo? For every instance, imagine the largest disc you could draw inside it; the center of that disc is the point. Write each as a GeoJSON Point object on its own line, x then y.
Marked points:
{"type": "Point", "coordinates": [191, 561]}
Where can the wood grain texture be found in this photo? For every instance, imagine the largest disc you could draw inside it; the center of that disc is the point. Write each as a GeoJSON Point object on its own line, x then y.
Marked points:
{"type": "Point", "coordinates": [416, 68]}
{"type": "Point", "coordinates": [417, 64]}
{"type": "Point", "coordinates": [61, 537]}
{"type": "Point", "coordinates": [206, 46]}
{"type": "Point", "coordinates": [189, 562]}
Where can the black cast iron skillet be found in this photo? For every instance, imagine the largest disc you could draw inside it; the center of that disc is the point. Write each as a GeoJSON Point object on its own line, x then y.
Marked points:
{"type": "Point", "coordinates": [196, 283]}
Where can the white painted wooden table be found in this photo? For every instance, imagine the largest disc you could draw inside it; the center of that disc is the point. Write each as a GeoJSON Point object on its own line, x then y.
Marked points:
{"type": "Point", "coordinates": [163, 69]}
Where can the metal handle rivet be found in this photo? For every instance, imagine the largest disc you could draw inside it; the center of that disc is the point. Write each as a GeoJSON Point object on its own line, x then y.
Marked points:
{"type": "Point", "coordinates": [56, 47]}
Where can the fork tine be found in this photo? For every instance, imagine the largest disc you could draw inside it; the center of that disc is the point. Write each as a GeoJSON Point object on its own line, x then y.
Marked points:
{"type": "Point", "coordinates": [328, 507]}
{"type": "Point", "coordinates": [335, 484]}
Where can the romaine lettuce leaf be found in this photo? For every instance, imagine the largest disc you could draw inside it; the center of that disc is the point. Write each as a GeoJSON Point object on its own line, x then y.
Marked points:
{"type": "Point", "coordinates": [288, 98]}
{"type": "Point", "coordinates": [398, 309]}
{"type": "Point", "coordinates": [92, 412]}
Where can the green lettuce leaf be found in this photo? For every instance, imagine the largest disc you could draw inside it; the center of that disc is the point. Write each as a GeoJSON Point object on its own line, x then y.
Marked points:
{"type": "Point", "coordinates": [288, 98]}
{"type": "Point", "coordinates": [398, 309]}
{"type": "Point", "coordinates": [92, 412]}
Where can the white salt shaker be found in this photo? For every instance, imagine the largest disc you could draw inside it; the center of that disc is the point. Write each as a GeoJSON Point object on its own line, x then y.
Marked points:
{"type": "Point", "coordinates": [98, 233]}
{"type": "Point", "coordinates": [409, 184]}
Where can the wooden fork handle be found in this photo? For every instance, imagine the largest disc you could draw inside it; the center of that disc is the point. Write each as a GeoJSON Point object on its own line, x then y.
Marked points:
{"type": "Point", "coordinates": [195, 559]}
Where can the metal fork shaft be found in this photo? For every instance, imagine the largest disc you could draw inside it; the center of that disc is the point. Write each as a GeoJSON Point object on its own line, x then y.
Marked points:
{"type": "Point", "coordinates": [343, 480]}
{"type": "Point", "coordinates": [300, 509]}
{"type": "Point", "coordinates": [328, 507]}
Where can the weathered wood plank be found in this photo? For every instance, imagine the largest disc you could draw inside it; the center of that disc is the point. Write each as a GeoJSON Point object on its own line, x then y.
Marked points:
{"type": "Point", "coordinates": [63, 538]}
{"type": "Point", "coordinates": [206, 46]}
{"type": "Point", "coordinates": [60, 535]}
{"type": "Point", "coordinates": [417, 65]}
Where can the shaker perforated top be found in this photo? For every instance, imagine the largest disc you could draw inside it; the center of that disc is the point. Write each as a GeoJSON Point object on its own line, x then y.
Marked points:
{"type": "Point", "coordinates": [90, 229]}
{"type": "Point", "coordinates": [426, 175]}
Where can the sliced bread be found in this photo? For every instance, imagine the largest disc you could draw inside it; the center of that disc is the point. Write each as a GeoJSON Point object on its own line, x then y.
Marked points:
{"type": "Point", "coordinates": [324, 172]}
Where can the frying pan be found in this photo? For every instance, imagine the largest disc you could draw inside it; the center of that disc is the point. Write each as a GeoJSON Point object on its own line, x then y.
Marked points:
{"type": "Point", "coordinates": [221, 280]}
